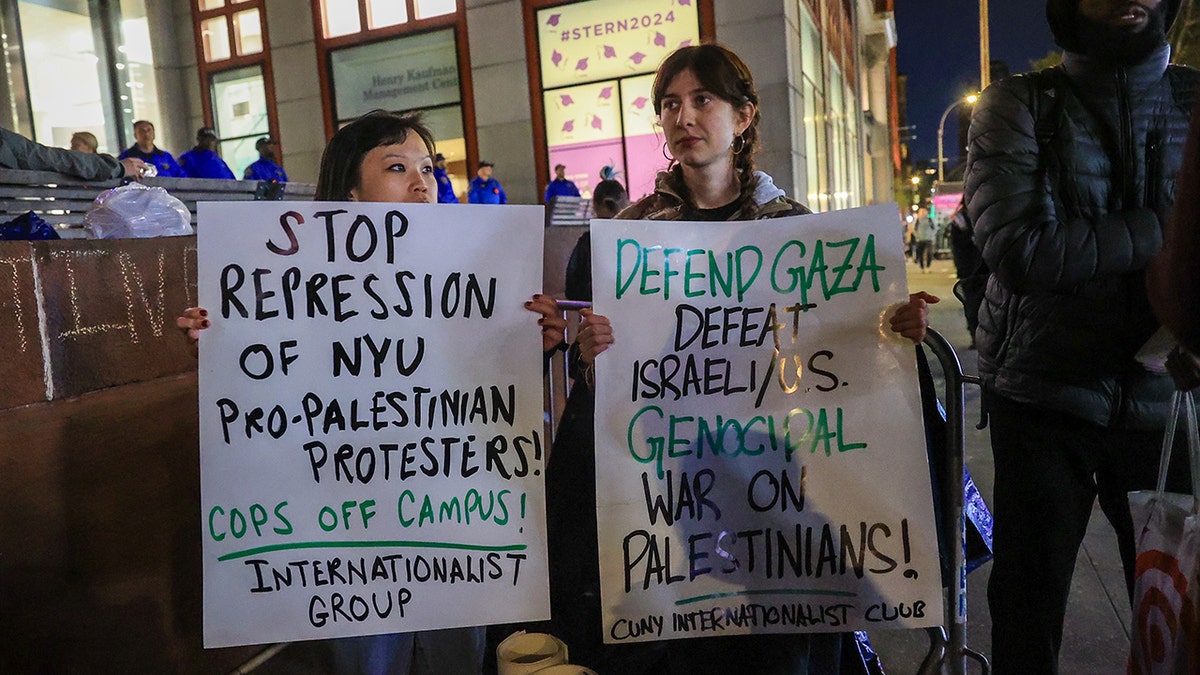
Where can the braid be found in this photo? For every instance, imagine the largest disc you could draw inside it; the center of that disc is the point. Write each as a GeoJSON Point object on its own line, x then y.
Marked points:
{"type": "Point", "coordinates": [743, 165]}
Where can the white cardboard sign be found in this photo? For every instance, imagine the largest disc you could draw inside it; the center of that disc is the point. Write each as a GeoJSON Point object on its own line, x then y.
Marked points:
{"type": "Point", "coordinates": [371, 422]}
{"type": "Point", "coordinates": [760, 457]}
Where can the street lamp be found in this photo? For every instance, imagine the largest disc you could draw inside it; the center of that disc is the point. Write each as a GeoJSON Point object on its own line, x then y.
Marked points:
{"type": "Point", "coordinates": [942, 130]}
{"type": "Point", "coordinates": [985, 49]}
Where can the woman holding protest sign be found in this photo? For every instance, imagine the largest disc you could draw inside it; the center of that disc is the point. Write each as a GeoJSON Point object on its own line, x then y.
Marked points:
{"type": "Point", "coordinates": [385, 157]}
{"type": "Point", "coordinates": [708, 109]}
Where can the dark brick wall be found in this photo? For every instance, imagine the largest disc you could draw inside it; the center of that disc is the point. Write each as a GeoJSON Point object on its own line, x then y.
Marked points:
{"type": "Point", "coordinates": [83, 315]}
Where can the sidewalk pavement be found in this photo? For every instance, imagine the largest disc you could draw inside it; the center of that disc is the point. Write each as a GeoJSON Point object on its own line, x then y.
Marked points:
{"type": "Point", "coordinates": [1096, 632]}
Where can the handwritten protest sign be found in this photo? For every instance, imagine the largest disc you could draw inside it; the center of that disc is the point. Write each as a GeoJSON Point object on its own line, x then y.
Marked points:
{"type": "Point", "coordinates": [370, 419]}
{"type": "Point", "coordinates": [760, 459]}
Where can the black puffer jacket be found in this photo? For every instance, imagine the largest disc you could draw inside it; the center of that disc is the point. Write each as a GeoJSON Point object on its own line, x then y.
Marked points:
{"type": "Point", "coordinates": [1068, 230]}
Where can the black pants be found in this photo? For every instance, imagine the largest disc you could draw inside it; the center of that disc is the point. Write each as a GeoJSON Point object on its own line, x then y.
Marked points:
{"type": "Point", "coordinates": [1050, 469]}
{"type": "Point", "coordinates": [924, 253]}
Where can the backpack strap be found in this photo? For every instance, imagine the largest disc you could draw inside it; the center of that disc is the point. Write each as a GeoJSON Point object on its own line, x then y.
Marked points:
{"type": "Point", "coordinates": [1047, 101]}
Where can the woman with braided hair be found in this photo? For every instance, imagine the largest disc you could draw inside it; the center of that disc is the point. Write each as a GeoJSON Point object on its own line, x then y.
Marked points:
{"type": "Point", "coordinates": [708, 108]}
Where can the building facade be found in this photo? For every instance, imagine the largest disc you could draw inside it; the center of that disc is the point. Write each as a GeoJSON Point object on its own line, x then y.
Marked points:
{"type": "Point", "coordinates": [525, 84]}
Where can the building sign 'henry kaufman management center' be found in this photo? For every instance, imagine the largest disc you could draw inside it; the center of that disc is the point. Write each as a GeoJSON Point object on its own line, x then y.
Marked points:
{"type": "Point", "coordinates": [408, 73]}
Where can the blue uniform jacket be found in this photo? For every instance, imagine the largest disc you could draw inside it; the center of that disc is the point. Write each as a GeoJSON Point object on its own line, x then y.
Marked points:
{"type": "Point", "coordinates": [161, 159]}
{"type": "Point", "coordinates": [561, 188]}
{"type": "Point", "coordinates": [486, 192]}
{"type": "Point", "coordinates": [265, 169]}
{"type": "Point", "coordinates": [200, 163]}
{"type": "Point", "coordinates": [445, 189]}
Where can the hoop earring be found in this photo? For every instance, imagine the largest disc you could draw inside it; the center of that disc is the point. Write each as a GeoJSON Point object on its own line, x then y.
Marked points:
{"type": "Point", "coordinates": [668, 157]}
{"type": "Point", "coordinates": [737, 149]}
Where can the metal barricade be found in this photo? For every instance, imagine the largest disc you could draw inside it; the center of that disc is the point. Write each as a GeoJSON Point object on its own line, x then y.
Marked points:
{"type": "Point", "coordinates": [948, 651]}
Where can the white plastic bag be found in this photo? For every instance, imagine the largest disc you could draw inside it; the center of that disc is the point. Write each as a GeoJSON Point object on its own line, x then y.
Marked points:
{"type": "Point", "coordinates": [137, 211]}
{"type": "Point", "coordinates": [1166, 588]}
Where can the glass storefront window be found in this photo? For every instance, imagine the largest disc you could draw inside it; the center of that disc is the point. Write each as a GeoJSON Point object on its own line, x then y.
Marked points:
{"type": "Point", "coordinates": [428, 8]}
{"type": "Point", "coordinates": [240, 110]}
{"type": "Point", "coordinates": [815, 135]}
{"type": "Point", "coordinates": [247, 29]}
{"type": "Point", "coordinates": [140, 100]}
{"type": "Point", "coordinates": [81, 67]}
{"type": "Point", "coordinates": [381, 13]}
{"type": "Point", "coordinates": [214, 33]}
{"type": "Point", "coordinates": [340, 17]}
{"type": "Point", "coordinates": [64, 84]}
{"type": "Point", "coordinates": [837, 118]}
{"type": "Point", "coordinates": [584, 131]}
{"type": "Point", "coordinates": [643, 136]}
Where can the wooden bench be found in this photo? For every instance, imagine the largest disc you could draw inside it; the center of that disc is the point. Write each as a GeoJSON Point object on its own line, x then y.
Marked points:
{"type": "Point", "coordinates": [63, 200]}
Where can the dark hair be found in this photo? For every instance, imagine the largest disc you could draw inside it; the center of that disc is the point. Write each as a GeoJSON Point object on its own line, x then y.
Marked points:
{"type": "Point", "coordinates": [723, 74]}
{"type": "Point", "coordinates": [141, 122]}
{"type": "Point", "coordinates": [610, 196]}
{"type": "Point", "coordinates": [341, 162]}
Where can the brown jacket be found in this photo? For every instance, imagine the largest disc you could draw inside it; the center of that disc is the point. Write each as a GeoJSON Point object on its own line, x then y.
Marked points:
{"type": "Point", "coordinates": [665, 204]}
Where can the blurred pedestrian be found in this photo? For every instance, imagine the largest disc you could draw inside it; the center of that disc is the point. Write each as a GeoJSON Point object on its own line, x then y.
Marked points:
{"type": "Point", "coordinates": [484, 188]}
{"type": "Point", "coordinates": [266, 167]}
{"type": "Point", "coordinates": [925, 236]}
{"type": "Point", "coordinates": [560, 186]}
{"type": "Point", "coordinates": [445, 189]}
{"type": "Point", "coordinates": [203, 161]}
{"type": "Point", "coordinates": [1070, 175]}
{"type": "Point", "coordinates": [145, 150]}
{"type": "Point", "coordinates": [84, 141]}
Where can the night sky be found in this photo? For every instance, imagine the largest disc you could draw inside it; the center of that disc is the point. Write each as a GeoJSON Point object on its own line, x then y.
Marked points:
{"type": "Point", "coordinates": [938, 49]}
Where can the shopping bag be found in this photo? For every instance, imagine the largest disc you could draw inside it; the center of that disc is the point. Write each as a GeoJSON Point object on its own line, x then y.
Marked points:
{"type": "Point", "coordinates": [1166, 596]}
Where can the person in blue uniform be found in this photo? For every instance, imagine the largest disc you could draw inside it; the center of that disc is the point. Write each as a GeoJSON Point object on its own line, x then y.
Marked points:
{"type": "Point", "coordinates": [266, 168]}
{"type": "Point", "coordinates": [445, 194]}
{"type": "Point", "coordinates": [560, 186]}
{"type": "Point", "coordinates": [145, 150]}
{"type": "Point", "coordinates": [485, 189]}
{"type": "Point", "coordinates": [203, 161]}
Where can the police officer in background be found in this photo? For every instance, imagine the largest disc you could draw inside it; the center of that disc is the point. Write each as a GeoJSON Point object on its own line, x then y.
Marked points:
{"type": "Point", "coordinates": [203, 161]}
{"type": "Point", "coordinates": [266, 168]}
{"type": "Point", "coordinates": [145, 150]}
{"type": "Point", "coordinates": [484, 189]}
{"type": "Point", "coordinates": [445, 194]}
